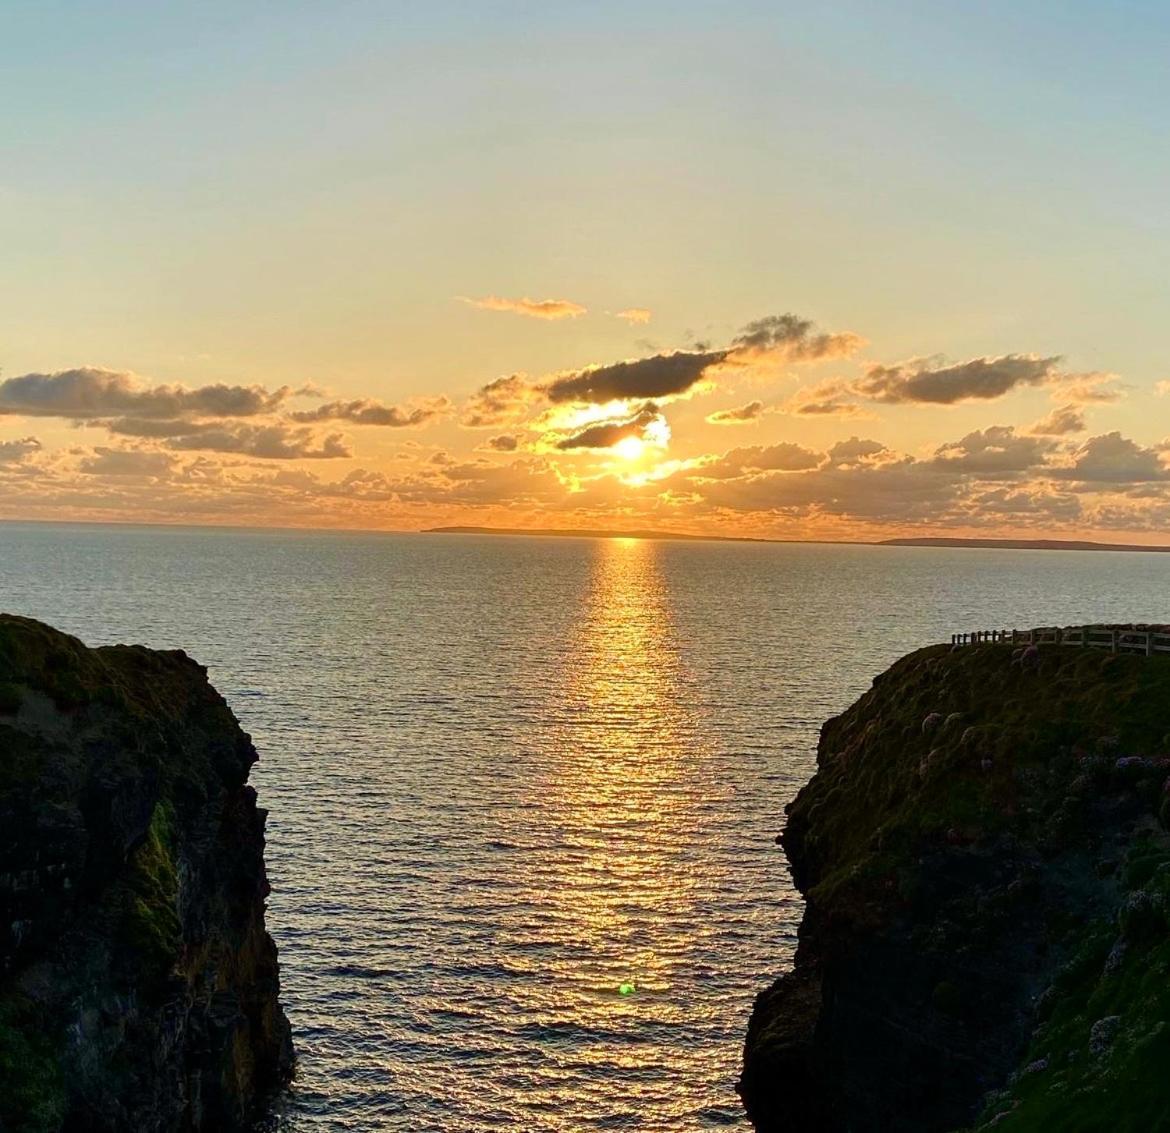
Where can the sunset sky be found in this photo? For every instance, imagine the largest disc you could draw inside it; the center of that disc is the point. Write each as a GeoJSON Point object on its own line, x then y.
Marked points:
{"type": "Point", "coordinates": [846, 271]}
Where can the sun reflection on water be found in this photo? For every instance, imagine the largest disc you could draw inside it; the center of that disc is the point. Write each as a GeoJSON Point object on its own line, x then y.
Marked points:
{"type": "Point", "coordinates": [618, 788]}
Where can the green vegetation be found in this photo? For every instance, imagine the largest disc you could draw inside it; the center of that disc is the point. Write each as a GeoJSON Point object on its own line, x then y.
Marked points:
{"type": "Point", "coordinates": [999, 815]}
{"type": "Point", "coordinates": [151, 921]}
{"type": "Point", "coordinates": [960, 747]}
{"type": "Point", "coordinates": [1100, 1060]}
{"type": "Point", "coordinates": [33, 1098]}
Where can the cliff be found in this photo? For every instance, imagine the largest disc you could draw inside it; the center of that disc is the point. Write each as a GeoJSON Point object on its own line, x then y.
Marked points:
{"type": "Point", "coordinates": [986, 940]}
{"type": "Point", "coordinates": [138, 986]}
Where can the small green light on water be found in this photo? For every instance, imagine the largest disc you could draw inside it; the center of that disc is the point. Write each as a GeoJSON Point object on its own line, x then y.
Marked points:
{"type": "Point", "coordinates": [626, 988]}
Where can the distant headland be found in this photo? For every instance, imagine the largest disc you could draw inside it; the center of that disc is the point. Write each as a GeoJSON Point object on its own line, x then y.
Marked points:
{"type": "Point", "coordinates": [588, 533]}
{"type": "Point", "coordinates": [1023, 544]}
{"type": "Point", "coordinates": [925, 541]}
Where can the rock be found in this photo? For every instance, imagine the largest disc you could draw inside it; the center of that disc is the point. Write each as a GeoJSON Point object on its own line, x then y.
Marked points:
{"type": "Point", "coordinates": [931, 721]}
{"type": "Point", "coordinates": [1142, 917]}
{"type": "Point", "coordinates": [1103, 1034]}
{"type": "Point", "coordinates": [957, 924]}
{"type": "Point", "coordinates": [138, 986]}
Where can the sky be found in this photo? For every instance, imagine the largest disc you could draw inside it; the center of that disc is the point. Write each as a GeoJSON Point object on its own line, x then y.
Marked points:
{"type": "Point", "coordinates": [836, 271]}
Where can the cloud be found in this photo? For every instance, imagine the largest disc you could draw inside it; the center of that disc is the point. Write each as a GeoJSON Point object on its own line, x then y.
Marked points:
{"type": "Point", "coordinates": [994, 452]}
{"type": "Point", "coordinates": [147, 427]}
{"type": "Point", "coordinates": [782, 457]}
{"type": "Point", "coordinates": [88, 393]}
{"type": "Point", "coordinates": [794, 340]}
{"type": "Point", "coordinates": [127, 462]}
{"type": "Point", "coordinates": [663, 376]}
{"type": "Point", "coordinates": [646, 424]}
{"type": "Point", "coordinates": [1114, 459]}
{"type": "Point", "coordinates": [1162, 389]}
{"type": "Point", "coordinates": [13, 452]}
{"type": "Point", "coordinates": [268, 442]}
{"type": "Point", "coordinates": [925, 381]}
{"type": "Point", "coordinates": [505, 401]}
{"type": "Point", "coordinates": [856, 451]}
{"type": "Point", "coordinates": [1060, 422]}
{"type": "Point", "coordinates": [659, 376]}
{"type": "Point", "coordinates": [368, 411]}
{"type": "Point", "coordinates": [533, 308]}
{"type": "Point", "coordinates": [825, 399]}
{"type": "Point", "coordinates": [506, 442]}
{"type": "Point", "coordinates": [1089, 389]}
{"type": "Point", "coordinates": [634, 315]}
{"type": "Point", "coordinates": [897, 490]}
{"type": "Point", "coordinates": [743, 415]}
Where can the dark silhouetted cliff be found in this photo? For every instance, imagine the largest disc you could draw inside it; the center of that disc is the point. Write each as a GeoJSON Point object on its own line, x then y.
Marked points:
{"type": "Point", "coordinates": [138, 986]}
{"type": "Point", "coordinates": [986, 942]}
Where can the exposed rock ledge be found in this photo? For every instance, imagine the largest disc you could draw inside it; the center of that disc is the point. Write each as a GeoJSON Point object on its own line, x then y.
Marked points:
{"type": "Point", "coordinates": [987, 872]}
{"type": "Point", "coordinates": [138, 986]}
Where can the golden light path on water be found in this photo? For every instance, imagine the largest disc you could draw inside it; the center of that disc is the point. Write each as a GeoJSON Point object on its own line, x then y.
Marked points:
{"type": "Point", "coordinates": [620, 753]}
{"type": "Point", "coordinates": [619, 780]}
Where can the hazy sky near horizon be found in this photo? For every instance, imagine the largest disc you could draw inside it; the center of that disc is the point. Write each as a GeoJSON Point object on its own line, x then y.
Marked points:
{"type": "Point", "coordinates": [387, 208]}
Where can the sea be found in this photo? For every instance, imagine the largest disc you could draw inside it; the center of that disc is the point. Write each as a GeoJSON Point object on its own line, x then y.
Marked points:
{"type": "Point", "coordinates": [524, 791]}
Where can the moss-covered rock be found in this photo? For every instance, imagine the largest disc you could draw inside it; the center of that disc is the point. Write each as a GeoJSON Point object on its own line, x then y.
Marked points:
{"type": "Point", "coordinates": [138, 987]}
{"type": "Point", "coordinates": [987, 930]}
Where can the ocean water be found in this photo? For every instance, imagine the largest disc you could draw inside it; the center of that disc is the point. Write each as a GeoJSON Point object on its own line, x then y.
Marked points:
{"type": "Point", "coordinates": [508, 776]}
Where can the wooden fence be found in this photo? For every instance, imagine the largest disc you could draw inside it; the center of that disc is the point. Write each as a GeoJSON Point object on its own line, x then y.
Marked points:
{"type": "Point", "coordinates": [1144, 640]}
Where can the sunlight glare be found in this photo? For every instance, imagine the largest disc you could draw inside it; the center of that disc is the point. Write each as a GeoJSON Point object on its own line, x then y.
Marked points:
{"type": "Point", "coordinates": [629, 448]}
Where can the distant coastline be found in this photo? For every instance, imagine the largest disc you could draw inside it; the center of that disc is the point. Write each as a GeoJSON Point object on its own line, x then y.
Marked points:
{"type": "Point", "coordinates": [1023, 544]}
{"type": "Point", "coordinates": [590, 533]}
{"type": "Point", "coordinates": [941, 541]}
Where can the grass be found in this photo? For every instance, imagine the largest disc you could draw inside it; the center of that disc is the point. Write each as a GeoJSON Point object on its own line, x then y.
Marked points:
{"type": "Point", "coordinates": [1101, 1059]}
{"type": "Point", "coordinates": [33, 1097]}
{"type": "Point", "coordinates": [151, 919]}
{"type": "Point", "coordinates": [954, 754]}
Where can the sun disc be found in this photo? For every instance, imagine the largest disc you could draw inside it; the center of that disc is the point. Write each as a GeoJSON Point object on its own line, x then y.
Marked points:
{"type": "Point", "coordinates": [629, 448]}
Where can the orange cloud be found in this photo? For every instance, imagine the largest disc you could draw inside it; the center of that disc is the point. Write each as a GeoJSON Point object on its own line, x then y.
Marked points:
{"type": "Point", "coordinates": [634, 315]}
{"type": "Point", "coordinates": [743, 415]}
{"type": "Point", "coordinates": [551, 309]}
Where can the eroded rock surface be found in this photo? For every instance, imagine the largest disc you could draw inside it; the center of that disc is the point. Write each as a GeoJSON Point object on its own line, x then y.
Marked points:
{"type": "Point", "coordinates": [138, 986]}
{"type": "Point", "coordinates": [986, 941]}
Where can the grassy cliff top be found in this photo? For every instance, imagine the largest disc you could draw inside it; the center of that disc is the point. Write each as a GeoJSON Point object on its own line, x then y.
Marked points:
{"type": "Point", "coordinates": [999, 818]}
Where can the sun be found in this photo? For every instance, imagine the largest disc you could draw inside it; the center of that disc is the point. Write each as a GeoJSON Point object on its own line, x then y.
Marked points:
{"type": "Point", "coordinates": [629, 448]}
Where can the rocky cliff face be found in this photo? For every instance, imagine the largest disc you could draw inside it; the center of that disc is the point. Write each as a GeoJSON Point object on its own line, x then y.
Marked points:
{"type": "Point", "coordinates": [987, 934]}
{"type": "Point", "coordinates": [138, 986]}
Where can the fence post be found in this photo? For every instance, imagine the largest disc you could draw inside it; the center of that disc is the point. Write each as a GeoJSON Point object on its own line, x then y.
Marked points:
{"type": "Point", "coordinates": [1113, 641]}
{"type": "Point", "coordinates": [1149, 643]}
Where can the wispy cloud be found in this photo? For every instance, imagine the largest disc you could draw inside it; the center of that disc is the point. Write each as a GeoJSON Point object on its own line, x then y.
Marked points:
{"type": "Point", "coordinates": [504, 401]}
{"type": "Point", "coordinates": [743, 415]}
{"type": "Point", "coordinates": [635, 315]}
{"type": "Point", "coordinates": [551, 309]}
{"type": "Point", "coordinates": [833, 398]}
{"type": "Point", "coordinates": [277, 441]}
{"type": "Point", "coordinates": [369, 411]}
{"type": "Point", "coordinates": [13, 452]}
{"type": "Point", "coordinates": [795, 339]}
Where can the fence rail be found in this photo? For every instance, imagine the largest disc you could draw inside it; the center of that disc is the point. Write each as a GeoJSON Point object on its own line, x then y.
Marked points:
{"type": "Point", "coordinates": [1144, 640]}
